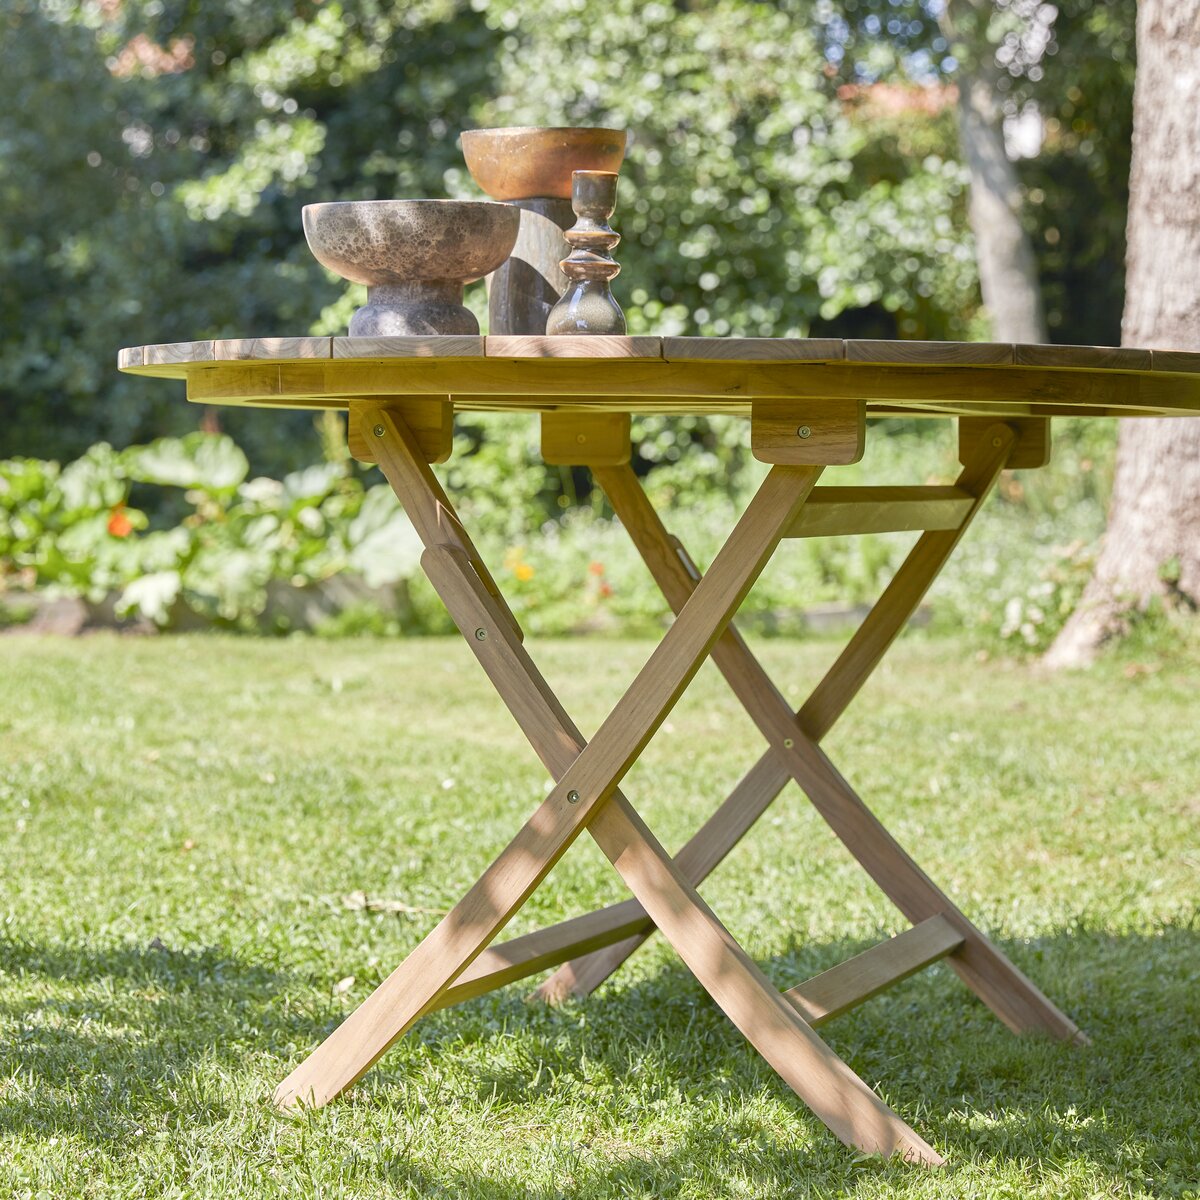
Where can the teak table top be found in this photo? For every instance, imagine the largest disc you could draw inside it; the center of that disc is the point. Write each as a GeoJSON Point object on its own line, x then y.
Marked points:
{"type": "Point", "coordinates": [682, 374]}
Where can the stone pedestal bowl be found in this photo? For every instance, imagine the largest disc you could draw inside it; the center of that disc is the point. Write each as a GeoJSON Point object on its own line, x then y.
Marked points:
{"type": "Point", "coordinates": [414, 256]}
{"type": "Point", "coordinates": [527, 162]}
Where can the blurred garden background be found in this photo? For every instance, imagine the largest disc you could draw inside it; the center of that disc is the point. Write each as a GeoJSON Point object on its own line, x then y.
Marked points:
{"type": "Point", "coordinates": [793, 169]}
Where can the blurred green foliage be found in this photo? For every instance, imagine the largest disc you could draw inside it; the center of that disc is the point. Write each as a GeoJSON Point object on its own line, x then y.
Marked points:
{"type": "Point", "coordinates": [1068, 66]}
{"type": "Point", "coordinates": [753, 202]}
{"type": "Point", "coordinates": [247, 554]}
{"type": "Point", "coordinates": [154, 157]}
{"type": "Point", "coordinates": [177, 533]}
{"type": "Point", "coordinates": [793, 169]}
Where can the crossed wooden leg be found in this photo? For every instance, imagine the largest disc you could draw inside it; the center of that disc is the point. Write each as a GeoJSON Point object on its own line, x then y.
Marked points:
{"type": "Point", "coordinates": [794, 754]}
{"type": "Point", "coordinates": [586, 794]}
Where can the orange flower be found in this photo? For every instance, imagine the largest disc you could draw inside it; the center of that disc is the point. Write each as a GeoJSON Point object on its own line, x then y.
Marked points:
{"type": "Point", "coordinates": [524, 572]}
{"type": "Point", "coordinates": [119, 525]}
{"type": "Point", "coordinates": [596, 568]}
{"type": "Point", "coordinates": [606, 590]}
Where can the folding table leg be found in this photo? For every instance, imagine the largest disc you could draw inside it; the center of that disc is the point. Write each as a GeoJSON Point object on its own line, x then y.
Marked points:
{"type": "Point", "coordinates": [794, 754]}
{"type": "Point", "coordinates": [765, 1017]}
{"type": "Point", "coordinates": [847, 1106]}
{"type": "Point", "coordinates": [585, 785]}
{"type": "Point", "coordinates": [673, 572]}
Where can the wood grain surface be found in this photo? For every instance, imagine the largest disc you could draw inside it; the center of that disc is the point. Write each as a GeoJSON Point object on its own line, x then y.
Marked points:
{"type": "Point", "coordinates": [1112, 358]}
{"type": "Point", "coordinates": [572, 346]}
{"type": "Point", "coordinates": [808, 432]}
{"type": "Point", "coordinates": [994, 354]}
{"type": "Point", "coordinates": [856, 980]}
{"type": "Point", "coordinates": [430, 419]}
{"type": "Point", "coordinates": [1184, 361]}
{"type": "Point", "coordinates": [1032, 447]}
{"type": "Point", "coordinates": [850, 510]}
{"type": "Point", "coordinates": [178, 352]}
{"type": "Point", "coordinates": [585, 439]}
{"type": "Point", "coordinates": [451, 345]}
{"type": "Point", "coordinates": [234, 349]}
{"type": "Point", "coordinates": [736, 349]}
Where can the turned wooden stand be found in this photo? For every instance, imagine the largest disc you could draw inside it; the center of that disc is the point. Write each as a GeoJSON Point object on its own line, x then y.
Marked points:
{"type": "Point", "coordinates": [808, 402]}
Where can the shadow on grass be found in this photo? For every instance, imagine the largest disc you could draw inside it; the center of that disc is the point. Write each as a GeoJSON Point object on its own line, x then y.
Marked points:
{"type": "Point", "coordinates": [1122, 1108]}
{"type": "Point", "coordinates": [110, 1037]}
{"type": "Point", "coordinates": [112, 1041]}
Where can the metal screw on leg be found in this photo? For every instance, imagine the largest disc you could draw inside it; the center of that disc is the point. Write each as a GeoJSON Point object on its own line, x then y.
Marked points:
{"type": "Point", "coordinates": [378, 431]}
{"type": "Point", "coordinates": [572, 797]}
{"type": "Point", "coordinates": [481, 635]}
{"type": "Point", "coordinates": [788, 743]}
{"type": "Point", "coordinates": [804, 431]}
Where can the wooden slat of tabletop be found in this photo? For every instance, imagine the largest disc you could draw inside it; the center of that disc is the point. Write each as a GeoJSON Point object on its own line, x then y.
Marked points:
{"type": "Point", "coordinates": [238, 349]}
{"type": "Point", "coordinates": [1186, 361]}
{"type": "Point", "coordinates": [739, 349]}
{"type": "Point", "coordinates": [465, 345]}
{"type": "Point", "coordinates": [1113, 358]}
{"type": "Point", "coordinates": [572, 346]}
{"type": "Point", "coordinates": [178, 352]}
{"type": "Point", "coordinates": [872, 350]}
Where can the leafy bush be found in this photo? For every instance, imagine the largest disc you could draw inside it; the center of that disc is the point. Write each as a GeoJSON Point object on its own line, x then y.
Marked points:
{"type": "Point", "coordinates": [74, 531]}
{"type": "Point", "coordinates": [327, 550]}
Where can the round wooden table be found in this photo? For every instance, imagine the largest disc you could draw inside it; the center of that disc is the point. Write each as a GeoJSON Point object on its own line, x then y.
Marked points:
{"type": "Point", "coordinates": [808, 402]}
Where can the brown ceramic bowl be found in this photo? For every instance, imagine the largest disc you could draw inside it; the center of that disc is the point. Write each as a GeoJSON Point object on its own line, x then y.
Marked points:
{"type": "Point", "coordinates": [527, 162]}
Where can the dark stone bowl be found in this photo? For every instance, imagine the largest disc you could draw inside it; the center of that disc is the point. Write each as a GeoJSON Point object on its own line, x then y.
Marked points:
{"type": "Point", "coordinates": [414, 256]}
{"type": "Point", "coordinates": [401, 241]}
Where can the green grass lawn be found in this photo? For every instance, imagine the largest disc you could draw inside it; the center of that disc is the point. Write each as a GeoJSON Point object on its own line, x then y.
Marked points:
{"type": "Point", "coordinates": [182, 821]}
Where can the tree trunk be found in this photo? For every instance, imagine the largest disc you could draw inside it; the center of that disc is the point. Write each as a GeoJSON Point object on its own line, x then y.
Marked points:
{"type": "Point", "coordinates": [1152, 547]}
{"type": "Point", "coordinates": [1007, 273]}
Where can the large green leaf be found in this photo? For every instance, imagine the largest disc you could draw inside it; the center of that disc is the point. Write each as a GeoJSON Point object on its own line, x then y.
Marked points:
{"type": "Point", "coordinates": [95, 482]}
{"type": "Point", "coordinates": [302, 489]}
{"type": "Point", "coordinates": [228, 582]}
{"type": "Point", "coordinates": [151, 596]}
{"type": "Point", "coordinates": [384, 546]}
{"type": "Point", "coordinates": [207, 462]}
